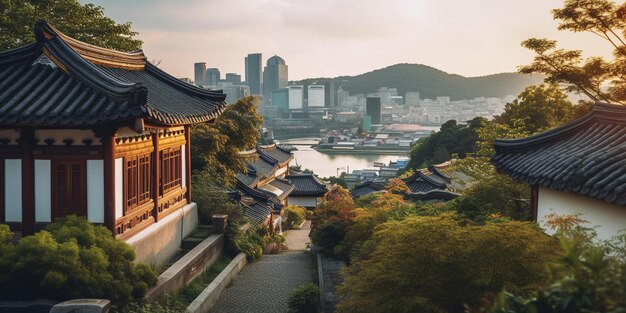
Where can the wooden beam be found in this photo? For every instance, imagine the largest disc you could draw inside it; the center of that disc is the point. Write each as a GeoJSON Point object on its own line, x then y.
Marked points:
{"type": "Point", "coordinates": [108, 141]}
{"type": "Point", "coordinates": [156, 174]}
{"type": "Point", "coordinates": [27, 141]}
{"type": "Point", "coordinates": [534, 201]}
{"type": "Point", "coordinates": [188, 161]}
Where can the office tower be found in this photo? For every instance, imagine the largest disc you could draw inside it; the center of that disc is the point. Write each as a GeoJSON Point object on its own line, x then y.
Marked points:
{"type": "Point", "coordinates": [330, 93]}
{"type": "Point", "coordinates": [317, 97]}
{"type": "Point", "coordinates": [274, 76]}
{"type": "Point", "coordinates": [199, 72]}
{"type": "Point", "coordinates": [280, 100]}
{"type": "Point", "coordinates": [254, 79]}
{"type": "Point", "coordinates": [232, 78]}
{"type": "Point", "coordinates": [212, 76]}
{"type": "Point", "coordinates": [372, 109]}
{"type": "Point", "coordinates": [296, 97]}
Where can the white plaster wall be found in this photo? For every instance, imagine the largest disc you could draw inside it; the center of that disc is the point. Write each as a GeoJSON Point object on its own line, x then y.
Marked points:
{"type": "Point", "coordinates": [119, 188]}
{"type": "Point", "coordinates": [609, 218]}
{"type": "Point", "coordinates": [10, 134]}
{"type": "Point", "coordinates": [158, 243]}
{"type": "Point", "coordinates": [43, 191]}
{"type": "Point", "coordinates": [95, 191]}
{"type": "Point", "coordinates": [13, 190]}
{"type": "Point", "coordinates": [184, 163]}
{"type": "Point", "coordinates": [61, 134]}
{"type": "Point", "coordinates": [309, 202]}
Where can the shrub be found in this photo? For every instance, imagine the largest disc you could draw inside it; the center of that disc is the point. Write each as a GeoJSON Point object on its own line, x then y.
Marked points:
{"type": "Point", "coordinates": [70, 259]}
{"type": "Point", "coordinates": [305, 299]}
{"type": "Point", "coordinates": [212, 199]}
{"type": "Point", "coordinates": [328, 235]}
{"type": "Point", "coordinates": [294, 216]}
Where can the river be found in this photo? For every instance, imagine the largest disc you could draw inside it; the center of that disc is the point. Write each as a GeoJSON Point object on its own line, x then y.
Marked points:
{"type": "Point", "coordinates": [326, 165]}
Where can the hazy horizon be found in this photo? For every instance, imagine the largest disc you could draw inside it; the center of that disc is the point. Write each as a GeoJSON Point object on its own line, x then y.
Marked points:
{"type": "Point", "coordinates": [331, 38]}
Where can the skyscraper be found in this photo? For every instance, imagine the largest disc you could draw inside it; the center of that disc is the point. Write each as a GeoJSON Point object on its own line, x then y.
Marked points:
{"type": "Point", "coordinates": [212, 76]}
{"type": "Point", "coordinates": [199, 72]}
{"type": "Point", "coordinates": [316, 96]}
{"type": "Point", "coordinates": [254, 79]}
{"type": "Point", "coordinates": [372, 109]}
{"type": "Point", "coordinates": [233, 78]}
{"type": "Point", "coordinates": [274, 76]}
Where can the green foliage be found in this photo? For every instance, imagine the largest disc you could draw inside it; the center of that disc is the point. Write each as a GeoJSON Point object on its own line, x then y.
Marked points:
{"type": "Point", "coordinates": [294, 216]}
{"type": "Point", "coordinates": [212, 199]}
{"type": "Point", "coordinates": [439, 264]}
{"type": "Point", "coordinates": [247, 241]}
{"type": "Point", "coordinates": [216, 147]}
{"type": "Point", "coordinates": [450, 139]}
{"type": "Point", "coordinates": [328, 235]}
{"type": "Point", "coordinates": [589, 77]}
{"type": "Point", "coordinates": [305, 299]}
{"type": "Point", "coordinates": [70, 259]}
{"type": "Point", "coordinates": [537, 109]}
{"type": "Point", "coordinates": [86, 23]}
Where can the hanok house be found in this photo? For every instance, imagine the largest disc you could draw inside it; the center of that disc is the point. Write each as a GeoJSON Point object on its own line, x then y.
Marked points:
{"type": "Point", "coordinates": [429, 185]}
{"type": "Point", "coordinates": [308, 190]}
{"type": "Point", "coordinates": [98, 133]}
{"type": "Point", "coordinates": [578, 168]}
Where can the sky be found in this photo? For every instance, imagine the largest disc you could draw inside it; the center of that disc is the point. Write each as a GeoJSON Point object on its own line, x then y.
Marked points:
{"type": "Point", "coordinates": [329, 38]}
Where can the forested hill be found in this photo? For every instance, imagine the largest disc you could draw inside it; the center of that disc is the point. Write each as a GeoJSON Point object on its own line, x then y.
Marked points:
{"type": "Point", "coordinates": [431, 82]}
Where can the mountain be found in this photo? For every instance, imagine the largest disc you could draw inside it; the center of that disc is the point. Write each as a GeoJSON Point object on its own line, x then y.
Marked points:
{"type": "Point", "coordinates": [431, 82]}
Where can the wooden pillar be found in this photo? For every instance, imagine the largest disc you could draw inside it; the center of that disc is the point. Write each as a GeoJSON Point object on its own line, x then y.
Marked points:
{"type": "Point", "coordinates": [534, 201]}
{"type": "Point", "coordinates": [108, 141]}
{"type": "Point", "coordinates": [156, 174]}
{"type": "Point", "coordinates": [27, 141]}
{"type": "Point", "coordinates": [188, 162]}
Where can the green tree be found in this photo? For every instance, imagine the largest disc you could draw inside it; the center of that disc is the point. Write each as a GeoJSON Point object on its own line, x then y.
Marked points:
{"type": "Point", "coordinates": [438, 264]}
{"type": "Point", "coordinates": [589, 77]}
{"type": "Point", "coordinates": [86, 23]}
{"type": "Point", "coordinates": [538, 108]}
{"type": "Point", "coordinates": [216, 146]}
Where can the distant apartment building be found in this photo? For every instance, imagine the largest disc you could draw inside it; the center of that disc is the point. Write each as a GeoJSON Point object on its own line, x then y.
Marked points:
{"type": "Point", "coordinates": [187, 80]}
{"type": "Point", "coordinates": [232, 78]}
{"type": "Point", "coordinates": [317, 96]}
{"type": "Point", "coordinates": [296, 97]}
{"type": "Point", "coordinates": [275, 76]}
{"type": "Point", "coordinates": [373, 110]}
{"type": "Point", "coordinates": [280, 100]}
{"type": "Point", "coordinates": [212, 76]}
{"type": "Point", "coordinates": [233, 91]}
{"type": "Point", "coordinates": [199, 73]}
{"type": "Point", "coordinates": [412, 98]}
{"type": "Point", "coordinates": [254, 77]}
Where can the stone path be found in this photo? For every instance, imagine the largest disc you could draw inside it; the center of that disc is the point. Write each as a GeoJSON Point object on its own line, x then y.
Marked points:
{"type": "Point", "coordinates": [264, 286]}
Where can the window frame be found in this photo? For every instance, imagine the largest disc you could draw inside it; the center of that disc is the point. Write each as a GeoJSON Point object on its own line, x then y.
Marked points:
{"type": "Point", "coordinates": [137, 181]}
{"type": "Point", "coordinates": [171, 169]}
{"type": "Point", "coordinates": [82, 185]}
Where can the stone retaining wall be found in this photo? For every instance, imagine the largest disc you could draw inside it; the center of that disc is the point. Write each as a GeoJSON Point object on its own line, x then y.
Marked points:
{"type": "Point", "coordinates": [211, 294]}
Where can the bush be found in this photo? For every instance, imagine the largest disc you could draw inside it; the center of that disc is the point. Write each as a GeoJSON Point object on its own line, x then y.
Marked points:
{"type": "Point", "coordinates": [294, 216]}
{"type": "Point", "coordinates": [71, 259]}
{"type": "Point", "coordinates": [212, 199]}
{"type": "Point", "coordinates": [328, 235]}
{"type": "Point", "coordinates": [305, 299]}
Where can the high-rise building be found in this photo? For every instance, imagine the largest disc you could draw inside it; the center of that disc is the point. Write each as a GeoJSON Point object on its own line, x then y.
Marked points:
{"type": "Point", "coordinates": [254, 79]}
{"type": "Point", "coordinates": [199, 73]}
{"type": "Point", "coordinates": [212, 77]}
{"type": "Point", "coordinates": [274, 76]}
{"type": "Point", "coordinates": [317, 97]}
{"type": "Point", "coordinates": [372, 109]}
{"type": "Point", "coordinates": [232, 78]}
{"type": "Point", "coordinates": [296, 97]}
{"type": "Point", "coordinates": [280, 100]}
{"type": "Point", "coordinates": [412, 98]}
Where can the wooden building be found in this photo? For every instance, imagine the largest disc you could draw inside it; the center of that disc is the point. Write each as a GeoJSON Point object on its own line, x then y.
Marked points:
{"type": "Point", "coordinates": [577, 168]}
{"type": "Point", "coordinates": [308, 190]}
{"type": "Point", "coordinates": [94, 132]}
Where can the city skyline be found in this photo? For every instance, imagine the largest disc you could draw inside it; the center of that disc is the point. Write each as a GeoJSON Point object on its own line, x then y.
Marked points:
{"type": "Point", "coordinates": [347, 37]}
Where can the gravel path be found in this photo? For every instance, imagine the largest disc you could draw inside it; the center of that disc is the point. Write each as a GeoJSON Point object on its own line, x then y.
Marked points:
{"type": "Point", "coordinates": [264, 286]}
{"type": "Point", "coordinates": [297, 239]}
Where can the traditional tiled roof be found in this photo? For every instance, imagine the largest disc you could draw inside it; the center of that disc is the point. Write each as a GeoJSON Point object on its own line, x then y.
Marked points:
{"type": "Point", "coordinates": [438, 173]}
{"type": "Point", "coordinates": [278, 188]}
{"type": "Point", "coordinates": [365, 188]}
{"type": "Point", "coordinates": [420, 182]}
{"type": "Point", "coordinates": [433, 195]}
{"type": "Point", "coordinates": [276, 153]}
{"type": "Point", "coordinates": [307, 185]}
{"type": "Point", "coordinates": [586, 156]}
{"type": "Point", "coordinates": [60, 81]}
{"type": "Point", "coordinates": [264, 167]}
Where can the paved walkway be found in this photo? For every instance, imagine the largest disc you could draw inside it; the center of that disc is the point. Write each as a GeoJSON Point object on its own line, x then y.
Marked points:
{"type": "Point", "coordinates": [264, 286]}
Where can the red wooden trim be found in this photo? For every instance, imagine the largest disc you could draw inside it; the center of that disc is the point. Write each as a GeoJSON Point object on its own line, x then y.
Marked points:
{"type": "Point", "coordinates": [188, 162]}
{"type": "Point", "coordinates": [27, 141]}
{"type": "Point", "coordinates": [108, 142]}
{"type": "Point", "coordinates": [156, 170]}
{"type": "Point", "coordinates": [69, 183]}
{"type": "Point", "coordinates": [534, 199]}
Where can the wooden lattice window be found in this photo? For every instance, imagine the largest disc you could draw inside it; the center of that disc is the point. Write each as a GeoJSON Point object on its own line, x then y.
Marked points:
{"type": "Point", "coordinates": [137, 180]}
{"type": "Point", "coordinates": [2, 214]}
{"type": "Point", "coordinates": [171, 169]}
{"type": "Point", "coordinates": [69, 188]}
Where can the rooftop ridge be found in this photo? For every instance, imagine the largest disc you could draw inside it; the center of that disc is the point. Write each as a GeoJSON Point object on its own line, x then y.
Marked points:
{"type": "Point", "coordinates": [419, 174]}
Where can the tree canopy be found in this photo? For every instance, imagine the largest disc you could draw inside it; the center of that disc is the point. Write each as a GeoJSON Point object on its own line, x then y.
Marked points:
{"type": "Point", "coordinates": [86, 23]}
{"type": "Point", "coordinates": [589, 77]}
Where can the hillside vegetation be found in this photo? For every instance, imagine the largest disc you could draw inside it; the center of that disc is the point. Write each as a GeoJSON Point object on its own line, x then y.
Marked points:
{"type": "Point", "coordinates": [431, 82]}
